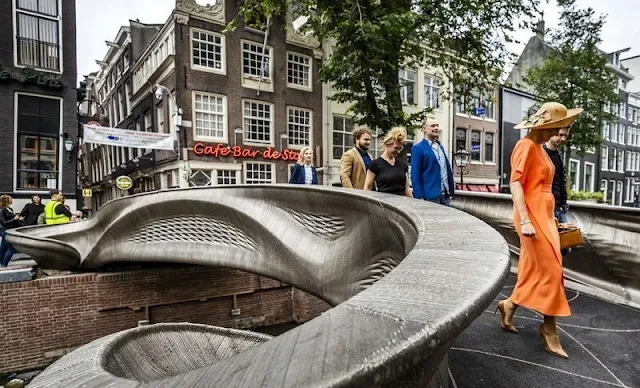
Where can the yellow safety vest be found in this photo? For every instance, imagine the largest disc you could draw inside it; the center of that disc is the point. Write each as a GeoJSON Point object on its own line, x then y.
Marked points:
{"type": "Point", "coordinates": [51, 218]}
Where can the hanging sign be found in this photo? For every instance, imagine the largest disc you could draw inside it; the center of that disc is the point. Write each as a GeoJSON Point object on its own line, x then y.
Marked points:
{"type": "Point", "coordinates": [123, 182]}
{"type": "Point", "coordinates": [127, 138]}
{"type": "Point", "coordinates": [220, 150]}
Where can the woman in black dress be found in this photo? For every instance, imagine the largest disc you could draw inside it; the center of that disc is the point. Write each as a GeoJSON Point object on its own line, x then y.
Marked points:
{"type": "Point", "coordinates": [388, 173]}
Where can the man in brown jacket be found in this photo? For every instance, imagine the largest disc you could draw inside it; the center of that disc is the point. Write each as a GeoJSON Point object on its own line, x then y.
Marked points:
{"type": "Point", "coordinates": [355, 162]}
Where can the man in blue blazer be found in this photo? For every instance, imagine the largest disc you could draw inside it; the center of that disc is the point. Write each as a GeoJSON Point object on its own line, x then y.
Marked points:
{"type": "Point", "coordinates": [431, 175]}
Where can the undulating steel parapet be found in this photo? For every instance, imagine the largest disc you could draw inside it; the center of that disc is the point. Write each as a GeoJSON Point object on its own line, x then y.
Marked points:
{"type": "Point", "coordinates": [609, 261]}
{"type": "Point", "coordinates": [405, 277]}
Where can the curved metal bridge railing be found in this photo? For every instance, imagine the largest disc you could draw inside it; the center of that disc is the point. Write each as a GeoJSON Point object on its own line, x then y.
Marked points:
{"type": "Point", "coordinates": [405, 277]}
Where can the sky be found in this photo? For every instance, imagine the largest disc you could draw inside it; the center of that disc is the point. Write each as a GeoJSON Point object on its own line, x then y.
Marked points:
{"type": "Point", "coordinates": [98, 21]}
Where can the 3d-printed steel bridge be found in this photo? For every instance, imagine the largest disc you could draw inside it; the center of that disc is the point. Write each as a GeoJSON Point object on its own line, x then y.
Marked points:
{"type": "Point", "coordinates": [405, 277]}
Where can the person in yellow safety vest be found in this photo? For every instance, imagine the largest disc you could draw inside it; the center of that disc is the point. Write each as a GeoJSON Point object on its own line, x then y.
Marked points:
{"type": "Point", "coordinates": [55, 211]}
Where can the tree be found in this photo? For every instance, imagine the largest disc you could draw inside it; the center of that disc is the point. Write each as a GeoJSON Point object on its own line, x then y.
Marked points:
{"type": "Point", "coordinates": [575, 73]}
{"type": "Point", "coordinates": [373, 39]}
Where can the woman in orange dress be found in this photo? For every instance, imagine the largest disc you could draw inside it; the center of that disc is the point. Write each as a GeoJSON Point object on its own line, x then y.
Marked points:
{"type": "Point", "coordinates": [540, 286]}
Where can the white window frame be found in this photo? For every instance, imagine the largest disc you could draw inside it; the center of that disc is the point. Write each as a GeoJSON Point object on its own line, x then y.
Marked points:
{"type": "Point", "coordinates": [160, 118]}
{"type": "Point", "coordinates": [147, 121]}
{"type": "Point", "coordinates": [628, 196]}
{"type": "Point", "coordinates": [620, 161]}
{"type": "Point", "coordinates": [484, 148]}
{"type": "Point", "coordinates": [212, 172]}
{"type": "Point", "coordinates": [481, 141]}
{"type": "Point", "coordinates": [606, 130]}
{"type": "Point", "coordinates": [614, 168]}
{"type": "Point", "coordinates": [430, 87]}
{"type": "Point", "coordinates": [255, 81]}
{"type": "Point", "coordinates": [58, 19]}
{"type": "Point", "coordinates": [346, 133]}
{"type": "Point", "coordinates": [589, 186]}
{"type": "Point", "coordinates": [237, 175]}
{"type": "Point", "coordinates": [404, 81]}
{"type": "Point", "coordinates": [289, 123]}
{"type": "Point", "coordinates": [622, 132]}
{"type": "Point", "coordinates": [612, 183]}
{"type": "Point", "coordinates": [121, 107]}
{"type": "Point", "coordinates": [577, 182]}
{"type": "Point", "coordinates": [223, 49]}
{"type": "Point", "coordinates": [309, 87]}
{"type": "Point", "coordinates": [245, 170]}
{"type": "Point", "coordinates": [15, 142]}
{"type": "Point", "coordinates": [603, 188]}
{"type": "Point", "coordinates": [127, 92]}
{"type": "Point", "coordinates": [246, 139]}
{"type": "Point", "coordinates": [489, 96]}
{"type": "Point", "coordinates": [225, 122]}
{"type": "Point", "coordinates": [620, 184]}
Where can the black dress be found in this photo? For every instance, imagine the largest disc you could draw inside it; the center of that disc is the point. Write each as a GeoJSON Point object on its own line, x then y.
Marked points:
{"type": "Point", "coordinates": [390, 179]}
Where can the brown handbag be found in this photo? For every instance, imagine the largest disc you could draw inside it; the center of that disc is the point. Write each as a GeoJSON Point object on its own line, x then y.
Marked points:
{"type": "Point", "coordinates": [570, 235]}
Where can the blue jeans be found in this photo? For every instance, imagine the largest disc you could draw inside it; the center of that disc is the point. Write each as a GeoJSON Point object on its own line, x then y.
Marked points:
{"type": "Point", "coordinates": [441, 200]}
{"type": "Point", "coordinates": [6, 250]}
{"type": "Point", "coordinates": [561, 215]}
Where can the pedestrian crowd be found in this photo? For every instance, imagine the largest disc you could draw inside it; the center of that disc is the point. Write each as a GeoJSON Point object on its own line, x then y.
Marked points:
{"type": "Point", "coordinates": [431, 176]}
{"type": "Point", "coordinates": [55, 212]}
{"type": "Point", "coordinates": [538, 185]}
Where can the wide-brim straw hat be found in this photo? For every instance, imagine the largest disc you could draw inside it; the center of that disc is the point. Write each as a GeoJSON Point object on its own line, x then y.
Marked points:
{"type": "Point", "coordinates": [551, 115]}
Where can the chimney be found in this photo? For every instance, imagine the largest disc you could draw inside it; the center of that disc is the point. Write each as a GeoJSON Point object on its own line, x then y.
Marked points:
{"type": "Point", "coordinates": [540, 28]}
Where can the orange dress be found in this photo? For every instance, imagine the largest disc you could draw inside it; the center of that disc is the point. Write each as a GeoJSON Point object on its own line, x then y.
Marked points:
{"type": "Point", "coordinates": [540, 285]}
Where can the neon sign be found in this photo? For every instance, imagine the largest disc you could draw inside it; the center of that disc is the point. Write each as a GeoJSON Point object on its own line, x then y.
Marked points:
{"type": "Point", "coordinates": [30, 75]}
{"type": "Point", "coordinates": [221, 150]}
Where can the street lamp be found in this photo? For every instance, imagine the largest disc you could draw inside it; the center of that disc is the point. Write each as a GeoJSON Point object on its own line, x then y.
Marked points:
{"type": "Point", "coordinates": [283, 137]}
{"type": "Point", "coordinates": [462, 157]}
{"type": "Point", "coordinates": [237, 131]}
{"type": "Point", "coordinates": [68, 147]}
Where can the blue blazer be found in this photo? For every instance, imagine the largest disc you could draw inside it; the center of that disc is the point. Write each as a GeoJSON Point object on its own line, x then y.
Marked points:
{"type": "Point", "coordinates": [425, 172]}
{"type": "Point", "coordinates": [297, 175]}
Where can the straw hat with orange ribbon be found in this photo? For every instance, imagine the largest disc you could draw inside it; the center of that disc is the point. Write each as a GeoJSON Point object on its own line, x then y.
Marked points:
{"type": "Point", "coordinates": [551, 115]}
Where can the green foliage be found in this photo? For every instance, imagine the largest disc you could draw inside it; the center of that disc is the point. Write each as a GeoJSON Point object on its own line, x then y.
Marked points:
{"type": "Point", "coordinates": [371, 40]}
{"type": "Point", "coordinates": [576, 74]}
{"type": "Point", "coordinates": [585, 195]}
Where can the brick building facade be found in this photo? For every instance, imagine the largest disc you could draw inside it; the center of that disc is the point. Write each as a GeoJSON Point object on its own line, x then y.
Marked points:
{"type": "Point", "coordinates": [255, 88]}
{"type": "Point", "coordinates": [46, 318]}
{"type": "Point", "coordinates": [476, 131]}
{"type": "Point", "coordinates": [38, 99]}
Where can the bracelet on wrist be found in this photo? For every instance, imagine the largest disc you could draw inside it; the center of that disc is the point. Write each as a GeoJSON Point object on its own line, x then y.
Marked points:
{"type": "Point", "coordinates": [525, 222]}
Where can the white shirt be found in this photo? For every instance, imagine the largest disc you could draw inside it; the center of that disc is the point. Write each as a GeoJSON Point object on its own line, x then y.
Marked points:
{"type": "Point", "coordinates": [308, 175]}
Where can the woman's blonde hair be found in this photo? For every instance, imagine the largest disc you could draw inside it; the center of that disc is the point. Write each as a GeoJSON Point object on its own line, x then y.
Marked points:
{"type": "Point", "coordinates": [396, 134]}
{"type": "Point", "coordinates": [5, 200]}
{"type": "Point", "coordinates": [301, 155]}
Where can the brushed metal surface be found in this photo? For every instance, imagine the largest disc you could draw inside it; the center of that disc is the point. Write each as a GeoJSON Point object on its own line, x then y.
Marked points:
{"type": "Point", "coordinates": [608, 262]}
{"type": "Point", "coordinates": [405, 277]}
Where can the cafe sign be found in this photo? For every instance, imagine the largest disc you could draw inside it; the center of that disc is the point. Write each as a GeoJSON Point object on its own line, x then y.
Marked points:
{"type": "Point", "coordinates": [31, 76]}
{"type": "Point", "coordinates": [123, 182]}
{"type": "Point", "coordinates": [221, 150]}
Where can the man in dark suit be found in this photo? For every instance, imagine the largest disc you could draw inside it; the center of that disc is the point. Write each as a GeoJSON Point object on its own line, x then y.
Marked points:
{"type": "Point", "coordinates": [431, 174]}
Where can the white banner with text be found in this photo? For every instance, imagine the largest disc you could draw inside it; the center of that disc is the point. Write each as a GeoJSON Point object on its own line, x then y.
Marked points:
{"type": "Point", "coordinates": [127, 138]}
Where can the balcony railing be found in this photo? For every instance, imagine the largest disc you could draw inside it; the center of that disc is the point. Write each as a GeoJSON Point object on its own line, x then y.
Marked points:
{"type": "Point", "coordinates": [38, 54]}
